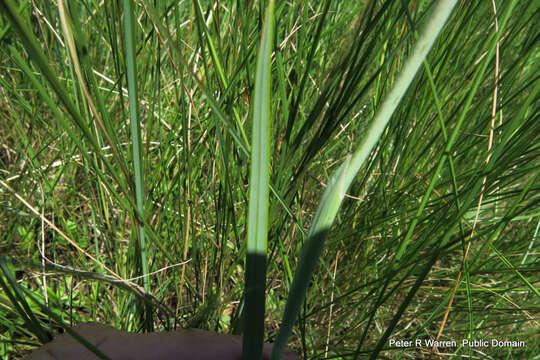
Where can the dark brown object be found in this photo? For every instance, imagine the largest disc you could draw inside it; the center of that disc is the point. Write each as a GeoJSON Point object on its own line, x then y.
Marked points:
{"type": "Point", "coordinates": [120, 345]}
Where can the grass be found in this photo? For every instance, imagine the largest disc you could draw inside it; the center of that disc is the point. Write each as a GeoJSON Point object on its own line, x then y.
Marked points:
{"type": "Point", "coordinates": [255, 287]}
{"type": "Point", "coordinates": [130, 146]}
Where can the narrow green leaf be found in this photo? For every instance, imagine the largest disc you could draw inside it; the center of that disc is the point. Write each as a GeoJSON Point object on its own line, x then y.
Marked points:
{"type": "Point", "coordinates": [258, 198]}
{"type": "Point", "coordinates": [129, 28]}
{"type": "Point", "coordinates": [335, 191]}
{"type": "Point", "coordinates": [311, 251]}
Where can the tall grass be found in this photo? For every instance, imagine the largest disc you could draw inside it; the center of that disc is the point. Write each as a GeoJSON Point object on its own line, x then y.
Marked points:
{"type": "Point", "coordinates": [388, 200]}
{"type": "Point", "coordinates": [258, 197]}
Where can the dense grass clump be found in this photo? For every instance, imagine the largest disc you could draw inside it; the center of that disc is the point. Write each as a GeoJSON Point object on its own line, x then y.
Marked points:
{"type": "Point", "coordinates": [148, 148]}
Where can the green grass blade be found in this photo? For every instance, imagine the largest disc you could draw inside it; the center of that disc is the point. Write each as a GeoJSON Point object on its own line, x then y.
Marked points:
{"type": "Point", "coordinates": [425, 42]}
{"type": "Point", "coordinates": [258, 198]}
{"type": "Point", "coordinates": [311, 251]}
{"type": "Point", "coordinates": [129, 28]}
{"type": "Point", "coordinates": [335, 191]}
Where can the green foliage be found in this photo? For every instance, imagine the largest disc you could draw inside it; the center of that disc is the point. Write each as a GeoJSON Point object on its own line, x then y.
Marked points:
{"type": "Point", "coordinates": [127, 147]}
{"type": "Point", "coordinates": [257, 226]}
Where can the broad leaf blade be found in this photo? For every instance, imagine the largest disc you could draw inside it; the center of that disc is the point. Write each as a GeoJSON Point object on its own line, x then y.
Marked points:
{"type": "Point", "coordinates": [258, 198]}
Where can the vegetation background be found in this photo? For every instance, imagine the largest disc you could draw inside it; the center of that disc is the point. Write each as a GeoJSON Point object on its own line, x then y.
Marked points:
{"type": "Point", "coordinates": [104, 179]}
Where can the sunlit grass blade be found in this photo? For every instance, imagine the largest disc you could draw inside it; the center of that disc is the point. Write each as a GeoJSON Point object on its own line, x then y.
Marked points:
{"type": "Point", "coordinates": [258, 198]}
{"type": "Point", "coordinates": [341, 181]}
{"type": "Point", "coordinates": [129, 28]}
{"type": "Point", "coordinates": [311, 251]}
